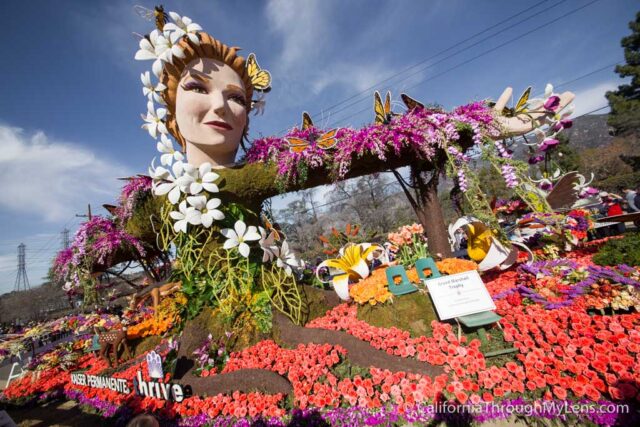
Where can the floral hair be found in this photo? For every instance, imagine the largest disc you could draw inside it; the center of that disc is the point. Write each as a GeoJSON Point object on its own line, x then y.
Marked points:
{"type": "Point", "coordinates": [173, 72]}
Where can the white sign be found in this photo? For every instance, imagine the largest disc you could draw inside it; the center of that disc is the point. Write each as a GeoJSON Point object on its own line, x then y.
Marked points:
{"type": "Point", "coordinates": [459, 295]}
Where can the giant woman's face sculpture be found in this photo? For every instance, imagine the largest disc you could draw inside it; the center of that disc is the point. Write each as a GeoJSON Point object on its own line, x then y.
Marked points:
{"type": "Point", "coordinates": [211, 111]}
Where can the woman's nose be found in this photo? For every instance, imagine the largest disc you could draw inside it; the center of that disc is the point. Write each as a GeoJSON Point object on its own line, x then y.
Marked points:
{"type": "Point", "coordinates": [218, 104]}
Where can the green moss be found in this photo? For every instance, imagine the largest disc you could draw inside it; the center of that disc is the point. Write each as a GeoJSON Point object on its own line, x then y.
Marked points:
{"type": "Point", "coordinates": [142, 345]}
{"type": "Point", "coordinates": [212, 321]}
{"type": "Point", "coordinates": [139, 225]}
{"type": "Point", "coordinates": [317, 301]}
{"type": "Point", "coordinates": [620, 251]}
{"type": "Point", "coordinates": [412, 312]}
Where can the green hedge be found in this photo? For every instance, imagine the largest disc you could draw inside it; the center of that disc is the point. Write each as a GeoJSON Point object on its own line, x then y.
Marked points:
{"type": "Point", "coordinates": [620, 251]}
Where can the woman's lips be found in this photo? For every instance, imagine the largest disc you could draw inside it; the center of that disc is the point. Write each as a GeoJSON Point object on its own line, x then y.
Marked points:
{"type": "Point", "coordinates": [219, 125]}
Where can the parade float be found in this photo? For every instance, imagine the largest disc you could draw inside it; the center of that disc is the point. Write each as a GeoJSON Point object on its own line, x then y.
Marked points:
{"type": "Point", "coordinates": [236, 329]}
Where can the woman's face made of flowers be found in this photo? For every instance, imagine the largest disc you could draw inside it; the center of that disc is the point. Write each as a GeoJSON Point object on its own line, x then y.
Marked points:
{"type": "Point", "coordinates": [211, 111]}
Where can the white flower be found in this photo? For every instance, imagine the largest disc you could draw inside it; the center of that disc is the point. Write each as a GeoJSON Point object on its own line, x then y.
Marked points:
{"type": "Point", "coordinates": [148, 51]}
{"type": "Point", "coordinates": [166, 48]}
{"type": "Point", "coordinates": [205, 211]}
{"type": "Point", "coordinates": [266, 244]}
{"type": "Point", "coordinates": [173, 184]}
{"type": "Point", "coordinates": [158, 173]}
{"type": "Point", "coordinates": [548, 90]}
{"type": "Point", "coordinates": [238, 236]}
{"type": "Point", "coordinates": [204, 178]}
{"type": "Point", "coordinates": [285, 258]}
{"type": "Point", "coordinates": [154, 120]}
{"type": "Point", "coordinates": [183, 26]}
{"type": "Point", "coordinates": [165, 146]}
{"type": "Point", "coordinates": [182, 217]}
{"type": "Point", "coordinates": [149, 90]}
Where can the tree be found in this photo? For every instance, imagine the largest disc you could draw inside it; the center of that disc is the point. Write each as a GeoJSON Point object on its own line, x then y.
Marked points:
{"type": "Point", "coordinates": [625, 102]}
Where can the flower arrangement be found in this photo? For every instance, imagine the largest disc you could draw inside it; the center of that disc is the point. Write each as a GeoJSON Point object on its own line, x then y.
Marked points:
{"type": "Point", "coordinates": [372, 290]}
{"type": "Point", "coordinates": [419, 133]}
{"type": "Point", "coordinates": [409, 244]}
{"type": "Point", "coordinates": [135, 190]}
{"type": "Point", "coordinates": [168, 315]}
{"type": "Point", "coordinates": [97, 241]}
{"type": "Point", "coordinates": [211, 356]}
{"type": "Point", "coordinates": [455, 265]}
{"type": "Point", "coordinates": [337, 239]}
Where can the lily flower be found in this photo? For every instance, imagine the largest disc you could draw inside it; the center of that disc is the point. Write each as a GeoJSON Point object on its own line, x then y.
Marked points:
{"type": "Point", "coordinates": [154, 120]}
{"type": "Point", "coordinates": [183, 26]}
{"type": "Point", "coordinates": [165, 146]}
{"type": "Point", "coordinates": [149, 90]}
{"type": "Point", "coordinates": [351, 265]}
{"type": "Point", "coordinates": [238, 236]}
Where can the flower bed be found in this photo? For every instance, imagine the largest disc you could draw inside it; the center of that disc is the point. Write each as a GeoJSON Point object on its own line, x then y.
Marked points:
{"type": "Point", "coordinates": [565, 354]}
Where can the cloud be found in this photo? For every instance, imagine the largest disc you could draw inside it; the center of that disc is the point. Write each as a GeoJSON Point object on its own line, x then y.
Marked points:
{"type": "Point", "coordinates": [592, 98]}
{"type": "Point", "coordinates": [50, 179]}
{"type": "Point", "coordinates": [300, 26]}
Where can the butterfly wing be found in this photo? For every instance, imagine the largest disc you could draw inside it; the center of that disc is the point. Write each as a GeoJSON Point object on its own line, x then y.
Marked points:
{"type": "Point", "coordinates": [410, 102]}
{"type": "Point", "coordinates": [564, 194]}
{"type": "Point", "coordinates": [144, 13]}
{"type": "Point", "coordinates": [269, 226]}
{"type": "Point", "coordinates": [260, 79]}
{"type": "Point", "coordinates": [306, 121]}
{"type": "Point", "coordinates": [328, 140]}
{"type": "Point", "coordinates": [297, 145]}
{"type": "Point", "coordinates": [378, 108]}
{"type": "Point", "coordinates": [387, 105]}
{"type": "Point", "coordinates": [522, 102]}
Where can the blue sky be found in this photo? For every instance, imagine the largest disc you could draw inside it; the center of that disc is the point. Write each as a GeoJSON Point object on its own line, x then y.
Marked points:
{"type": "Point", "coordinates": [70, 92]}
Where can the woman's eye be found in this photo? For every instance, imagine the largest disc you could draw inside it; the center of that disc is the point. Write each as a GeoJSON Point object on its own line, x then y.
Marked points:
{"type": "Point", "coordinates": [194, 87]}
{"type": "Point", "coordinates": [239, 99]}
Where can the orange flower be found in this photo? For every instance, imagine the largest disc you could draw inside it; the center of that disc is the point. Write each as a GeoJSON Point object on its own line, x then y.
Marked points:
{"type": "Point", "coordinates": [455, 265]}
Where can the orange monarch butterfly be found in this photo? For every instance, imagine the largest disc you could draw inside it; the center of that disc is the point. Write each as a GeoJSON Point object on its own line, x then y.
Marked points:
{"type": "Point", "coordinates": [325, 141]}
{"type": "Point", "coordinates": [410, 102]}
{"type": "Point", "coordinates": [260, 79]}
{"type": "Point", "coordinates": [270, 228]}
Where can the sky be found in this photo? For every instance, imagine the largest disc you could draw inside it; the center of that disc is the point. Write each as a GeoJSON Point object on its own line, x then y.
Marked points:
{"type": "Point", "coordinates": [71, 97]}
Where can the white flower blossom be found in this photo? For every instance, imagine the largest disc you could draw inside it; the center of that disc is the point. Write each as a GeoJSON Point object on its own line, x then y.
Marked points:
{"type": "Point", "coordinates": [285, 258]}
{"type": "Point", "coordinates": [203, 177]}
{"type": "Point", "coordinates": [238, 236]}
{"type": "Point", "coordinates": [165, 146]}
{"type": "Point", "coordinates": [149, 90]}
{"type": "Point", "coordinates": [267, 242]}
{"type": "Point", "coordinates": [183, 26]}
{"type": "Point", "coordinates": [548, 90]}
{"type": "Point", "coordinates": [148, 52]}
{"type": "Point", "coordinates": [166, 49]}
{"type": "Point", "coordinates": [182, 217]}
{"type": "Point", "coordinates": [205, 210]}
{"type": "Point", "coordinates": [173, 184]}
{"type": "Point", "coordinates": [154, 120]}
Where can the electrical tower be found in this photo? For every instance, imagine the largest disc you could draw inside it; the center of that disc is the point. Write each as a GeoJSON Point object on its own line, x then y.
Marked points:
{"type": "Point", "coordinates": [65, 238]}
{"type": "Point", "coordinates": [22, 281]}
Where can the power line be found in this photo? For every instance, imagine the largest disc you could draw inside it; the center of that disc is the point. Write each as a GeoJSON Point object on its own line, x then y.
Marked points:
{"type": "Point", "coordinates": [392, 76]}
{"type": "Point", "coordinates": [479, 55]}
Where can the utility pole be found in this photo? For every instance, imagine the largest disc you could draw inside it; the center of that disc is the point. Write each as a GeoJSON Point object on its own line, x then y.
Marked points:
{"type": "Point", "coordinates": [22, 281]}
{"type": "Point", "coordinates": [65, 238]}
{"type": "Point", "coordinates": [88, 215]}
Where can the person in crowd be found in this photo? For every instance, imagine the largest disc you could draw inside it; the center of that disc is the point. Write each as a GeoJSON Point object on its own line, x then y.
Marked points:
{"type": "Point", "coordinates": [144, 420]}
{"type": "Point", "coordinates": [630, 197]}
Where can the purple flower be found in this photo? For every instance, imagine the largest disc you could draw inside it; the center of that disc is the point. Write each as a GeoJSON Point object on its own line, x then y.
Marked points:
{"type": "Point", "coordinates": [535, 159]}
{"type": "Point", "coordinates": [552, 103]}
{"type": "Point", "coordinates": [562, 124]}
{"type": "Point", "coordinates": [548, 143]}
